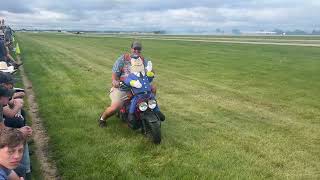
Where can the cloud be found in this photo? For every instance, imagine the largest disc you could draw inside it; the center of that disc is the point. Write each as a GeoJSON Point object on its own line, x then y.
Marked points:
{"type": "Point", "coordinates": [18, 6]}
{"type": "Point", "coordinates": [174, 16]}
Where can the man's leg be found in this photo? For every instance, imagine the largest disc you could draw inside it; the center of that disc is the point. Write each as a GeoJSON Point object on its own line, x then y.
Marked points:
{"type": "Point", "coordinates": [111, 110]}
{"type": "Point", "coordinates": [115, 96]}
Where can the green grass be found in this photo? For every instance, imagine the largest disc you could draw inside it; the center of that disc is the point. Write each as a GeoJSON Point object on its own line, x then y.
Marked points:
{"type": "Point", "coordinates": [274, 38]}
{"type": "Point", "coordinates": [233, 110]}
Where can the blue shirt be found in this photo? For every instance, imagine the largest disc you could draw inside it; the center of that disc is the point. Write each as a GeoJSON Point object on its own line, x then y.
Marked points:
{"type": "Point", "coordinates": [3, 50]}
{"type": "Point", "coordinates": [4, 173]}
{"type": "Point", "coordinates": [8, 34]}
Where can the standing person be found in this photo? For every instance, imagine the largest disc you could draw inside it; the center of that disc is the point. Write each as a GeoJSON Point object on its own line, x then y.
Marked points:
{"type": "Point", "coordinates": [3, 50]}
{"type": "Point", "coordinates": [4, 53]}
{"type": "Point", "coordinates": [120, 71]}
{"type": "Point", "coordinates": [8, 33]}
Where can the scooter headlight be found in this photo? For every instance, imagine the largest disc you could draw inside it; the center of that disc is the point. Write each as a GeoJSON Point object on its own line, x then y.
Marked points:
{"type": "Point", "coordinates": [143, 106]}
{"type": "Point", "coordinates": [152, 104]}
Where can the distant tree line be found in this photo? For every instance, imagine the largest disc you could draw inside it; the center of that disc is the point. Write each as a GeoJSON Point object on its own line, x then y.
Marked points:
{"type": "Point", "coordinates": [315, 32]}
{"type": "Point", "coordinates": [159, 32]}
{"type": "Point", "coordinates": [281, 32]}
{"type": "Point", "coordinates": [296, 32]}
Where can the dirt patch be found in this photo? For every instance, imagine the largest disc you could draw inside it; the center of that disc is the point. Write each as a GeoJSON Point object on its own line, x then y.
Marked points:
{"type": "Point", "coordinates": [48, 168]}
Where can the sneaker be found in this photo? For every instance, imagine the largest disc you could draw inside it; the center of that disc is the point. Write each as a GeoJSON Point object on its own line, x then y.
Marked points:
{"type": "Point", "coordinates": [102, 123]}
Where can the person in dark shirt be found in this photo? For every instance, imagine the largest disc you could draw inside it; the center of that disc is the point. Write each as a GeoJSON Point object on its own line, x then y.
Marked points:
{"type": "Point", "coordinates": [8, 33]}
{"type": "Point", "coordinates": [3, 51]}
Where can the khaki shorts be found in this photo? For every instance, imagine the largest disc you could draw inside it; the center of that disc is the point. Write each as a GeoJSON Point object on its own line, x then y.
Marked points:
{"type": "Point", "coordinates": [117, 96]}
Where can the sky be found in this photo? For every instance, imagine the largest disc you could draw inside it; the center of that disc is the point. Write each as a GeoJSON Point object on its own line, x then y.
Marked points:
{"type": "Point", "coordinates": [170, 15]}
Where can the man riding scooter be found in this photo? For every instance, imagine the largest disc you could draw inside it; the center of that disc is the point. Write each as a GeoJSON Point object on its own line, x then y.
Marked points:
{"type": "Point", "coordinates": [120, 71]}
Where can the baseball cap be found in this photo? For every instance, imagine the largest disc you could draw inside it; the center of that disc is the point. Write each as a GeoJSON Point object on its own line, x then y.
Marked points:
{"type": "Point", "coordinates": [136, 45]}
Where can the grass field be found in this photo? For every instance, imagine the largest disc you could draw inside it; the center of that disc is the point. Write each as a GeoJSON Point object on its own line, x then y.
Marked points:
{"type": "Point", "coordinates": [233, 110]}
{"type": "Point", "coordinates": [264, 37]}
{"type": "Point", "coordinates": [275, 39]}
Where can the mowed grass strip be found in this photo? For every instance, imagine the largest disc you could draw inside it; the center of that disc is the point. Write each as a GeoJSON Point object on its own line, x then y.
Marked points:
{"type": "Point", "coordinates": [233, 111]}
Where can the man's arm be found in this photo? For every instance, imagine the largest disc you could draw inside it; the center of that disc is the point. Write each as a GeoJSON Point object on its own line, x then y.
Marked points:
{"type": "Point", "coordinates": [9, 56]}
{"type": "Point", "coordinates": [116, 71]}
{"type": "Point", "coordinates": [18, 95]}
{"type": "Point", "coordinates": [11, 112]}
{"type": "Point", "coordinates": [26, 131]}
{"type": "Point", "coordinates": [115, 80]}
{"type": "Point", "coordinates": [8, 112]}
{"type": "Point", "coordinates": [118, 65]}
{"type": "Point", "coordinates": [115, 77]}
{"type": "Point", "coordinates": [2, 124]}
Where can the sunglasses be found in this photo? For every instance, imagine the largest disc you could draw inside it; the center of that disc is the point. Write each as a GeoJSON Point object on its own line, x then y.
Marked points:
{"type": "Point", "coordinates": [137, 48]}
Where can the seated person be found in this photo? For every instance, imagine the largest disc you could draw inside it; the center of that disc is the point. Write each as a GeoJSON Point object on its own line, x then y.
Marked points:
{"type": "Point", "coordinates": [11, 152]}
